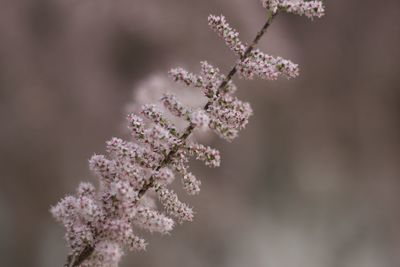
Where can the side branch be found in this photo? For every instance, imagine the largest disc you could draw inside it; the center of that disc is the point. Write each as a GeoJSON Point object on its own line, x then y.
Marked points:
{"type": "Point", "coordinates": [247, 53]}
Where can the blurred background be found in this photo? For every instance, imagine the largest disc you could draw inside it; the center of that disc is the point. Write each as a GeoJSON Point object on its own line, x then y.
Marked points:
{"type": "Point", "coordinates": [314, 181]}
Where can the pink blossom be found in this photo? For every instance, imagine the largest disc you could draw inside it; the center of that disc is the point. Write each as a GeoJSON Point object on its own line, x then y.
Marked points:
{"type": "Point", "coordinates": [174, 106]}
{"type": "Point", "coordinates": [173, 206]}
{"type": "Point", "coordinates": [153, 221]}
{"type": "Point", "coordinates": [300, 7]}
{"type": "Point", "coordinates": [199, 119]}
{"type": "Point", "coordinates": [230, 35]}
{"type": "Point", "coordinates": [210, 156]}
{"type": "Point", "coordinates": [191, 184]}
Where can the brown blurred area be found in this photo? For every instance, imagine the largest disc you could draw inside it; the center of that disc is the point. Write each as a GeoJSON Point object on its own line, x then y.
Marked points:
{"type": "Point", "coordinates": [313, 181]}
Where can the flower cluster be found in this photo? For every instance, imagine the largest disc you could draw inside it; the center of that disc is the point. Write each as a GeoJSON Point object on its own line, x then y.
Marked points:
{"type": "Point", "coordinates": [230, 35]}
{"type": "Point", "coordinates": [224, 113]}
{"type": "Point", "coordinates": [310, 9]}
{"type": "Point", "coordinates": [101, 223]}
{"type": "Point", "coordinates": [256, 63]}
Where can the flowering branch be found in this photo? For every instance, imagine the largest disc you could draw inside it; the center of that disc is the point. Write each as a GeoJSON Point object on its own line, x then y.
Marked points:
{"type": "Point", "coordinates": [224, 83]}
{"type": "Point", "coordinates": [99, 223]}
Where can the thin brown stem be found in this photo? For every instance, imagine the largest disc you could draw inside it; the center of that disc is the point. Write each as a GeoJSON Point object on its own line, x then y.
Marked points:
{"type": "Point", "coordinates": [76, 260]}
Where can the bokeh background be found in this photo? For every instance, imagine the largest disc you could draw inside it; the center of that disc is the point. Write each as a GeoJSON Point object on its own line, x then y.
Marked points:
{"type": "Point", "coordinates": [314, 181]}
